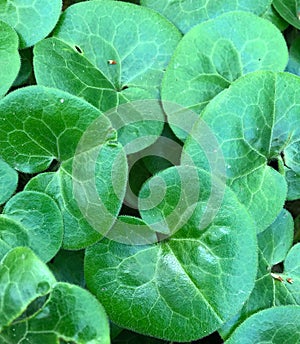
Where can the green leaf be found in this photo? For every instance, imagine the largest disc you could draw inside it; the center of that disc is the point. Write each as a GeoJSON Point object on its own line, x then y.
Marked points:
{"type": "Point", "coordinates": [67, 266]}
{"type": "Point", "coordinates": [58, 65]}
{"type": "Point", "coordinates": [213, 55]}
{"type": "Point", "coordinates": [39, 219]}
{"type": "Point", "coordinates": [255, 121]}
{"type": "Point", "coordinates": [71, 313]}
{"type": "Point", "coordinates": [33, 20]}
{"type": "Point", "coordinates": [8, 181]}
{"type": "Point", "coordinates": [140, 42]}
{"type": "Point", "coordinates": [9, 57]}
{"type": "Point", "coordinates": [274, 325]}
{"type": "Point", "coordinates": [58, 185]}
{"type": "Point", "coordinates": [40, 124]}
{"type": "Point", "coordinates": [293, 65]}
{"type": "Point", "coordinates": [23, 278]}
{"type": "Point", "coordinates": [84, 222]}
{"type": "Point", "coordinates": [273, 246]}
{"type": "Point", "coordinates": [289, 11]}
{"type": "Point", "coordinates": [185, 14]}
{"type": "Point", "coordinates": [273, 16]}
{"type": "Point", "coordinates": [175, 289]}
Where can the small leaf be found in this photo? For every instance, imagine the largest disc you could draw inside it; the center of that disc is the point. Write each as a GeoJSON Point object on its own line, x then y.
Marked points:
{"type": "Point", "coordinates": [9, 57]}
{"type": "Point", "coordinates": [32, 20]}
{"type": "Point", "coordinates": [213, 55]}
{"type": "Point", "coordinates": [23, 278]}
{"type": "Point", "coordinates": [185, 14]}
{"type": "Point", "coordinates": [8, 181]}
{"type": "Point", "coordinates": [273, 325]}
{"type": "Point", "coordinates": [39, 217]}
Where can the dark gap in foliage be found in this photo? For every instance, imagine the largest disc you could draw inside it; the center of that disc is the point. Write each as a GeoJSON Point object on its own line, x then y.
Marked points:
{"type": "Point", "coordinates": [277, 268]}
{"type": "Point", "coordinates": [274, 164]}
{"type": "Point", "coordinates": [125, 210]}
{"type": "Point", "coordinates": [54, 166]}
{"type": "Point", "coordinates": [33, 307]}
{"type": "Point", "coordinates": [78, 49]}
{"type": "Point", "coordinates": [124, 87]}
{"type": "Point", "coordinates": [24, 178]}
{"type": "Point", "coordinates": [293, 207]}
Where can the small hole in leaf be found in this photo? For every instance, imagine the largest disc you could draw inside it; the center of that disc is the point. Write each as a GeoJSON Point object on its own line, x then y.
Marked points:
{"type": "Point", "coordinates": [277, 268]}
{"type": "Point", "coordinates": [124, 87]}
{"type": "Point", "coordinates": [78, 49]}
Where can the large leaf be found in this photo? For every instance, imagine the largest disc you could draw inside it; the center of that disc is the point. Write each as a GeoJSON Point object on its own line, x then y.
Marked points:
{"type": "Point", "coordinates": [274, 325]}
{"type": "Point", "coordinates": [256, 122]}
{"type": "Point", "coordinates": [71, 314]}
{"type": "Point", "coordinates": [289, 10]}
{"type": "Point", "coordinates": [23, 278]}
{"type": "Point", "coordinates": [137, 40]}
{"type": "Point", "coordinates": [185, 287]}
{"type": "Point", "coordinates": [273, 248]}
{"type": "Point", "coordinates": [9, 56]}
{"type": "Point", "coordinates": [40, 124]}
{"type": "Point", "coordinates": [212, 55]}
{"type": "Point", "coordinates": [33, 20]}
{"type": "Point", "coordinates": [185, 13]}
{"type": "Point", "coordinates": [32, 219]}
{"type": "Point", "coordinates": [8, 181]}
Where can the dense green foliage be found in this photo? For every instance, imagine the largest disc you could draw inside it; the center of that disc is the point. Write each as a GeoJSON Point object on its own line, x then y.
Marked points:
{"type": "Point", "coordinates": [149, 171]}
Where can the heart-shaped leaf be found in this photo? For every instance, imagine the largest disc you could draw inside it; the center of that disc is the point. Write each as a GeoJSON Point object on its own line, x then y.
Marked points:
{"type": "Point", "coordinates": [185, 13]}
{"type": "Point", "coordinates": [123, 56]}
{"type": "Point", "coordinates": [254, 131]}
{"type": "Point", "coordinates": [9, 56]}
{"type": "Point", "coordinates": [33, 20]}
{"type": "Point", "coordinates": [40, 124]}
{"type": "Point", "coordinates": [212, 55]}
{"type": "Point", "coordinates": [39, 221]}
{"type": "Point", "coordinates": [175, 289]}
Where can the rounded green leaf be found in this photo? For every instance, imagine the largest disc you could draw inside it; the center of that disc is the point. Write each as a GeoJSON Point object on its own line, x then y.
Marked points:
{"type": "Point", "coordinates": [40, 124]}
{"type": "Point", "coordinates": [33, 20]}
{"type": "Point", "coordinates": [8, 181]}
{"type": "Point", "coordinates": [78, 233]}
{"type": "Point", "coordinates": [255, 122]}
{"type": "Point", "coordinates": [23, 278]}
{"type": "Point", "coordinates": [274, 325]}
{"type": "Point", "coordinates": [213, 55]}
{"type": "Point", "coordinates": [71, 313]}
{"type": "Point", "coordinates": [40, 218]}
{"type": "Point", "coordinates": [129, 49]}
{"type": "Point", "coordinates": [185, 287]}
{"type": "Point", "coordinates": [289, 11]}
{"type": "Point", "coordinates": [185, 13]}
{"type": "Point", "coordinates": [9, 57]}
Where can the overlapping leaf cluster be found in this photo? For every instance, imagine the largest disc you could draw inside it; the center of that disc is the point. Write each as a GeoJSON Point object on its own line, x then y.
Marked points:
{"type": "Point", "coordinates": [210, 247]}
